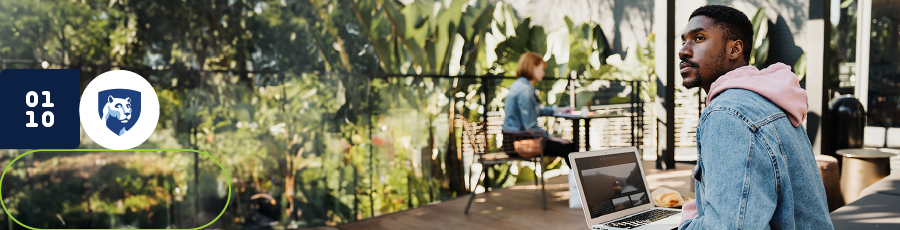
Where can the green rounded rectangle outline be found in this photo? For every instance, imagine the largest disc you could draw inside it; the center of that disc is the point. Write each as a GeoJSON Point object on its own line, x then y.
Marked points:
{"type": "Point", "coordinates": [3, 204]}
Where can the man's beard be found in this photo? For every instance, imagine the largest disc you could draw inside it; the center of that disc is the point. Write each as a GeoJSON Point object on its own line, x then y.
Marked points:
{"type": "Point", "coordinates": [718, 63]}
{"type": "Point", "coordinates": [693, 83]}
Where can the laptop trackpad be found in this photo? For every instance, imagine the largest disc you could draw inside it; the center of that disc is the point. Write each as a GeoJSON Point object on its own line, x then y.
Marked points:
{"type": "Point", "coordinates": [664, 224]}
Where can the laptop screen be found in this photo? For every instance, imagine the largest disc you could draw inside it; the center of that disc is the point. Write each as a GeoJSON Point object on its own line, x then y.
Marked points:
{"type": "Point", "coordinates": [612, 183]}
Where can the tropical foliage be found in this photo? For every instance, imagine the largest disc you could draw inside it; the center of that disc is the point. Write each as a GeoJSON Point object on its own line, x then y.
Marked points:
{"type": "Point", "coordinates": [760, 50]}
{"type": "Point", "coordinates": [314, 107]}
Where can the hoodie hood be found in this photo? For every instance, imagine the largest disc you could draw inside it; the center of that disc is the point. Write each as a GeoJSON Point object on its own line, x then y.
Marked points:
{"type": "Point", "coordinates": [776, 83]}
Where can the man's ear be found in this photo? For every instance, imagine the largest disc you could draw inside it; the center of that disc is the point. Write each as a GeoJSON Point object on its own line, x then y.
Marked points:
{"type": "Point", "coordinates": [737, 50]}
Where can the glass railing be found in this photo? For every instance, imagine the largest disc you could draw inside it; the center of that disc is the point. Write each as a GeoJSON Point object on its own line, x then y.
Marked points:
{"type": "Point", "coordinates": [301, 149]}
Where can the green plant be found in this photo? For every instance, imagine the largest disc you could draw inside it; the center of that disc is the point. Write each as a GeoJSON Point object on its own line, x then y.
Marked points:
{"type": "Point", "coordinates": [800, 67]}
{"type": "Point", "coordinates": [638, 65]}
{"type": "Point", "coordinates": [588, 50]}
{"type": "Point", "coordinates": [760, 50]}
{"type": "Point", "coordinates": [525, 38]}
{"type": "Point", "coordinates": [421, 38]}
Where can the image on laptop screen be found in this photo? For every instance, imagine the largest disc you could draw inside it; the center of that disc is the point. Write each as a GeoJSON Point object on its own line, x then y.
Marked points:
{"type": "Point", "coordinates": [612, 183]}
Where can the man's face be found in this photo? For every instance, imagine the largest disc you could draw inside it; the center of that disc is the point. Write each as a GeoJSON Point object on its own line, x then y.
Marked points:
{"type": "Point", "coordinates": [703, 52]}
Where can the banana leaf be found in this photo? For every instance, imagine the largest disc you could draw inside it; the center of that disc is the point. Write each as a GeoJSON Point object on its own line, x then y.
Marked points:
{"type": "Point", "coordinates": [760, 51]}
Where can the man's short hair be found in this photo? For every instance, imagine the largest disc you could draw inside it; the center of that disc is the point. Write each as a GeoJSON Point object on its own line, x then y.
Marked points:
{"type": "Point", "coordinates": [732, 21]}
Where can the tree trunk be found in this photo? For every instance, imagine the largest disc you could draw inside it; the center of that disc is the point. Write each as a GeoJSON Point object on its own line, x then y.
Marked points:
{"type": "Point", "coordinates": [453, 158]}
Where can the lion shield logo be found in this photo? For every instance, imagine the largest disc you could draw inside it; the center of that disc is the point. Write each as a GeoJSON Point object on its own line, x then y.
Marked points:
{"type": "Point", "coordinates": [119, 109]}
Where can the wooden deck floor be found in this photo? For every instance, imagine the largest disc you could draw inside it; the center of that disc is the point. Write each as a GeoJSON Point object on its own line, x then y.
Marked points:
{"type": "Point", "coordinates": [516, 207]}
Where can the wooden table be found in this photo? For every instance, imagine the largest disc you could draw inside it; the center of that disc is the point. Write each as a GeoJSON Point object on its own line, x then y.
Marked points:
{"type": "Point", "coordinates": [861, 168]}
{"type": "Point", "coordinates": [576, 119]}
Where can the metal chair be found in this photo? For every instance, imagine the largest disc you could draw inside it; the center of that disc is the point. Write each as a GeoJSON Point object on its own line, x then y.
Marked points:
{"type": "Point", "coordinates": [477, 136]}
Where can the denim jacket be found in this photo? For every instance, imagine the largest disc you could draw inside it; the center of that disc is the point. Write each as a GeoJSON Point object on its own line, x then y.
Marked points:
{"type": "Point", "coordinates": [522, 108]}
{"type": "Point", "coordinates": [755, 170]}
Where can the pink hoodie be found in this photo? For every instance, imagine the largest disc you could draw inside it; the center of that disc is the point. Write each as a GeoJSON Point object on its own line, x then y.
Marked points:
{"type": "Point", "coordinates": [776, 83]}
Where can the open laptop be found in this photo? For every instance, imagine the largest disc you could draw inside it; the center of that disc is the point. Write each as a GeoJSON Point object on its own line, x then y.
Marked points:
{"type": "Point", "coordinates": [614, 193]}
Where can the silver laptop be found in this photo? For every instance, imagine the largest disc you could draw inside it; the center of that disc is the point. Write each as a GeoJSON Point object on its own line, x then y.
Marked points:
{"type": "Point", "coordinates": [614, 193]}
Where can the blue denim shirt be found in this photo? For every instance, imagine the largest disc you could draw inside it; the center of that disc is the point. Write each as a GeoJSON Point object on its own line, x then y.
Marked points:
{"type": "Point", "coordinates": [755, 170]}
{"type": "Point", "coordinates": [522, 108]}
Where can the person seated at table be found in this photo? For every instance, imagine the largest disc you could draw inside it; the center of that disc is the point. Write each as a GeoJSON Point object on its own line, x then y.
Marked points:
{"type": "Point", "coordinates": [523, 108]}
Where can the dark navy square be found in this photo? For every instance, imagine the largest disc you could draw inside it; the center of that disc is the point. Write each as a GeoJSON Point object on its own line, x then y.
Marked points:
{"type": "Point", "coordinates": [64, 90]}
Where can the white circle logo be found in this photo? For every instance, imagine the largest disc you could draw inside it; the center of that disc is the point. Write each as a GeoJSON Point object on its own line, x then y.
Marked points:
{"type": "Point", "coordinates": [119, 110]}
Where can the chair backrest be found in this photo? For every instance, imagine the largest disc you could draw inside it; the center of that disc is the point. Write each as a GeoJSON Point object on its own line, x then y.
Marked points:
{"type": "Point", "coordinates": [509, 139]}
{"type": "Point", "coordinates": [473, 132]}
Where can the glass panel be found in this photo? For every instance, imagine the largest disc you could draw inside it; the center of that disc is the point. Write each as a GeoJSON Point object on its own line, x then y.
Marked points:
{"type": "Point", "coordinates": [884, 65]}
{"type": "Point", "coordinates": [409, 137]}
{"type": "Point", "coordinates": [843, 44]}
{"type": "Point", "coordinates": [109, 190]}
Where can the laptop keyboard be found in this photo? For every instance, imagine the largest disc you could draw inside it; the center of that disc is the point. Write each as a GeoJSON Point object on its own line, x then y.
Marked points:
{"type": "Point", "coordinates": [642, 218]}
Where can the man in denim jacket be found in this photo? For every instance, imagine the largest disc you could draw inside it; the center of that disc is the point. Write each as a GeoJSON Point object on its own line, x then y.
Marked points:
{"type": "Point", "coordinates": [755, 167]}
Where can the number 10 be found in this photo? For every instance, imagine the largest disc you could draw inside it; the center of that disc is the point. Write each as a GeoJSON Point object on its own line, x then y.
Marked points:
{"type": "Point", "coordinates": [31, 99]}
